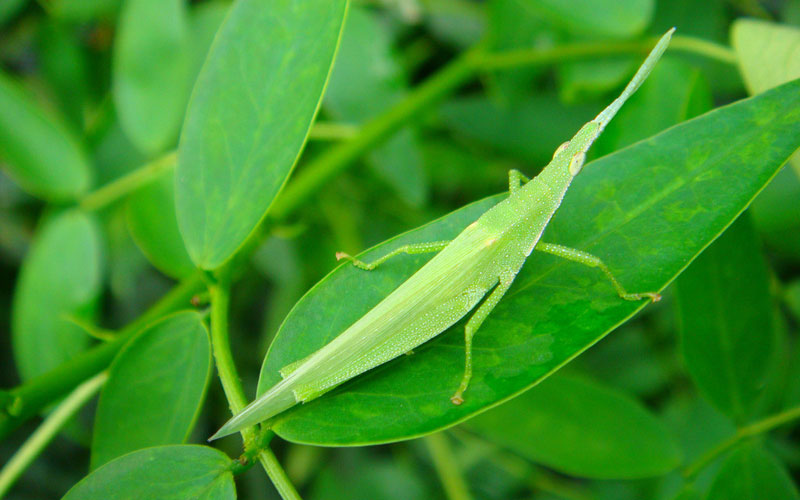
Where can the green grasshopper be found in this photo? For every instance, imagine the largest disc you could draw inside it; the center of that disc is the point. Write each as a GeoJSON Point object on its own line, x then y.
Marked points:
{"type": "Point", "coordinates": [483, 259]}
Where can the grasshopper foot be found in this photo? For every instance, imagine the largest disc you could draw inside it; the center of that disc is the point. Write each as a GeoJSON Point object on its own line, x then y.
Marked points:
{"type": "Point", "coordinates": [457, 399]}
{"type": "Point", "coordinates": [655, 297]}
{"type": "Point", "coordinates": [359, 264]}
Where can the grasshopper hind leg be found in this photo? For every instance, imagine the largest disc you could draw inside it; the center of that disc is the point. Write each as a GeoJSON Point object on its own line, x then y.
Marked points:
{"type": "Point", "coordinates": [472, 326]}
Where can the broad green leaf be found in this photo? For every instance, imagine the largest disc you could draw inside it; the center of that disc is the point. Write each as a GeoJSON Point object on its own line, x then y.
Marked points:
{"type": "Point", "coordinates": [38, 150]}
{"type": "Point", "coordinates": [582, 428]}
{"type": "Point", "coordinates": [510, 128]}
{"type": "Point", "coordinates": [751, 473]}
{"type": "Point", "coordinates": [154, 227]}
{"type": "Point", "coordinates": [150, 71]}
{"type": "Point", "coordinates": [644, 210]}
{"type": "Point", "coordinates": [727, 325]}
{"type": "Point", "coordinates": [178, 472]}
{"type": "Point", "coordinates": [155, 388]}
{"type": "Point", "coordinates": [248, 118]}
{"type": "Point", "coordinates": [769, 55]}
{"type": "Point", "coordinates": [366, 57]}
{"type": "Point", "coordinates": [60, 279]}
{"type": "Point", "coordinates": [603, 18]}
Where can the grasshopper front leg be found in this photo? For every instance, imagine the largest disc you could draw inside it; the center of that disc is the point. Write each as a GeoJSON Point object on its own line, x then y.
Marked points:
{"type": "Point", "coordinates": [594, 261]}
{"type": "Point", "coordinates": [515, 180]}
{"type": "Point", "coordinates": [411, 249]}
{"type": "Point", "coordinates": [472, 326]}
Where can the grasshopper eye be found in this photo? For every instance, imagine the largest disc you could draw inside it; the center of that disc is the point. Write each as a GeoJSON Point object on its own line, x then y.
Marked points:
{"type": "Point", "coordinates": [561, 149]}
{"type": "Point", "coordinates": [576, 164]}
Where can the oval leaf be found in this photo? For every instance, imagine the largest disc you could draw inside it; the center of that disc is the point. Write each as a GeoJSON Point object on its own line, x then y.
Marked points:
{"type": "Point", "coordinates": [583, 429]}
{"type": "Point", "coordinates": [151, 68]}
{"type": "Point", "coordinates": [155, 388]}
{"type": "Point", "coordinates": [604, 18]}
{"type": "Point", "coordinates": [728, 332]}
{"type": "Point", "coordinates": [249, 117]}
{"type": "Point", "coordinates": [644, 210]}
{"type": "Point", "coordinates": [60, 280]}
{"type": "Point", "coordinates": [37, 148]}
{"type": "Point", "coordinates": [154, 227]}
{"type": "Point", "coordinates": [751, 472]}
{"type": "Point", "coordinates": [179, 472]}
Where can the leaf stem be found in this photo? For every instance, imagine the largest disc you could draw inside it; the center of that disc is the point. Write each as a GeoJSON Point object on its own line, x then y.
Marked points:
{"type": "Point", "coordinates": [446, 467]}
{"type": "Point", "coordinates": [45, 433]}
{"type": "Point", "coordinates": [28, 399]}
{"type": "Point", "coordinates": [277, 475]}
{"type": "Point", "coordinates": [219, 293]}
{"type": "Point", "coordinates": [129, 183]}
{"type": "Point", "coordinates": [332, 131]}
{"type": "Point", "coordinates": [338, 158]}
{"type": "Point", "coordinates": [583, 50]}
{"type": "Point", "coordinates": [745, 432]}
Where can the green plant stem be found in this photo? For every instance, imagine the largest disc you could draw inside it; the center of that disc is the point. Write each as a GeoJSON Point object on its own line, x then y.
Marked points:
{"type": "Point", "coordinates": [277, 475]}
{"type": "Point", "coordinates": [446, 467]}
{"type": "Point", "coordinates": [129, 183]}
{"type": "Point", "coordinates": [219, 294]}
{"type": "Point", "coordinates": [332, 162]}
{"type": "Point", "coordinates": [30, 398]}
{"type": "Point", "coordinates": [331, 131]}
{"type": "Point", "coordinates": [576, 51]}
{"type": "Point", "coordinates": [45, 433]}
{"type": "Point", "coordinates": [748, 431]}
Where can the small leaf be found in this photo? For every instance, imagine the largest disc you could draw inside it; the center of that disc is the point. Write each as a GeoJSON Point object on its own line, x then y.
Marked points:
{"type": "Point", "coordinates": [154, 227]}
{"type": "Point", "coordinates": [249, 117]}
{"type": "Point", "coordinates": [582, 429]}
{"type": "Point", "coordinates": [750, 472]}
{"type": "Point", "coordinates": [178, 472]}
{"type": "Point", "coordinates": [644, 210]}
{"type": "Point", "coordinates": [150, 71]}
{"type": "Point", "coordinates": [155, 388]}
{"type": "Point", "coordinates": [365, 56]}
{"type": "Point", "coordinates": [728, 333]}
{"type": "Point", "coordinates": [38, 150]}
{"type": "Point", "coordinates": [60, 278]}
{"type": "Point", "coordinates": [769, 55]}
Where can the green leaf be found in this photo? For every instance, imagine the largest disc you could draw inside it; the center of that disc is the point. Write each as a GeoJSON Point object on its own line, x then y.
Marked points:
{"type": "Point", "coordinates": [602, 18]}
{"type": "Point", "coordinates": [83, 10]}
{"type": "Point", "coordinates": [155, 388]}
{"type": "Point", "coordinates": [150, 71]}
{"type": "Point", "coordinates": [204, 22]}
{"type": "Point", "coordinates": [64, 64]}
{"type": "Point", "coordinates": [776, 213]}
{"type": "Point", "coordinates": [178, 472]}
{"type": "Point", "coordinates": [749, 473]}
{"type": "Point", "coordinates": [728, 333]}
{"type": "Point", "coordinates": [60, 279]}
{"type": "Point", "coordinates": [249, 117]}
{"type": "Point", "coordinates": [644, 210]}
{"type": "Point", "coordinates": [38, 150]}
{"type": "Point", "coordinates": [582, 428]}
{"type": "Point", "coordinates": [366, 57]}
{"type": "Point", "coordinates": [769, 55]}
{"type": "Point", "coordinates": [154, 227]}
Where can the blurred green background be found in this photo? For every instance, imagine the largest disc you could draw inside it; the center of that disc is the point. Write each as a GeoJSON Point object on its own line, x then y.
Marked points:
{"type": "Point", "coordinates": [85, 68]}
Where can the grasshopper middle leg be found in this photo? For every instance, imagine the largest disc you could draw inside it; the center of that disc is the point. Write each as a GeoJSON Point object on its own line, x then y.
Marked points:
{"type": "Point", "coordinates": [594, 261]}
{"type": "Point", "coordinates": [411, 249]}
{"type": "Point", "coordinates": [472, 326]}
